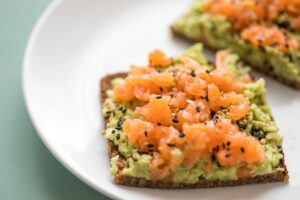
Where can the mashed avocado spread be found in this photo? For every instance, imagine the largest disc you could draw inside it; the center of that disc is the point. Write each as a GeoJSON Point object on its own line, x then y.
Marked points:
{"type": "Point", "coordinates": [258, 123]}
{"type": "Point", "coordinates": [217, 32]}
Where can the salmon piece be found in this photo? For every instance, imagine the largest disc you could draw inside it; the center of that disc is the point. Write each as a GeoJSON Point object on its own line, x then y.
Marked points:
{"type": "Point", "coordinates": [295, 23]}
{"type": "Point", "coordinates": [179, 99]}
{"type": "Point", "coordinates": [143, 85]}
{"type": "Point", "coordinates": [222, 77]}
{"type": "Point", "coordinates": [243, 172]}
{"type": "Point", "coordinates": [223, 140]}
{"type": "Point", "coordinates": [238, 104]}
{"type": "Point", "coordinates": [243, 148]}
{"type": "Point", "coordinates": [220, 57]}
{"type": "Point", "coordinates": [196, 112]}
{"type": "Point", "coordinates": [139, 133]}
{"type": "Point", "coordinates": [260, 35]}
{"type": "Point", "coordinates": [226, 81]}
{"type": "Point", "coordinates": [157, 169]}
{"type": "Point", "coordinates": [157, 110]}
{"type": "Point", "coordinates": [158, 58]}
{"type": "Point", "coordinates": [293, 7]}
{"type": "Point", "coordinates": [162, 79]}
{"type": "Point", "coordinates": [196, 87]}
{"type": "Point", "coordinates": [189, 63]}
{"type": "Point", "coordinates": [193, 86]}
{"type": "Point", "coordinates": [197, 144]}
{"type": "Point", "coordinates": [122, 93]}
{"type": "Point", "coordinates": [137, 70]}
{"type": "Point", "coordinates": [244, 13]}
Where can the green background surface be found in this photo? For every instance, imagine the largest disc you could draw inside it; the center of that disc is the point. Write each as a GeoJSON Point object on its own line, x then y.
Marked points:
{"type": "Point", "coordinates": [27, 169]}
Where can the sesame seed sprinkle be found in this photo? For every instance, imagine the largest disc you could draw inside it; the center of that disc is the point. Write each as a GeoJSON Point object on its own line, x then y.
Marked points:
{"type": "Point", "coordinates": [227, 155]}
{"type": "Point", "coordinates": [181, 135]}
{"type": "Point", "coordinates": [242, 150]}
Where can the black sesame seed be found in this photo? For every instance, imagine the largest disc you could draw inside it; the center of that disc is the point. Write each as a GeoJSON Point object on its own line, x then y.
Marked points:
{"type": "Point", "coordinates": [120, 122]}
{"type": "Point", "coordinates": [193, 73]}
{"type": "Point", "coordinates": [228, 143]}
{"type": "Point", "coordinates": [134, 159]}
{"type": "Point", "coordinates": [150, 145]}
{"type": "Point", "coordinates": [206, 98]}
{"type": "Point", "coordinates": [181, 135]}
{"type": "Point", "coordinates": [259, 40]}
{"type": "Point", "coordinates": [140, 152]}
{"type": "Point", "coordinates": [289, 57]}
{"type": "Point", "coordinates": [171, 145]}
{"type": "Point", "coordinates": [113, 131]}
{"type": "Point", "coordinates": [146, 133]}
{"type": "Point", "coordinates": [223, 145]}
{"type": "Point", "coordinates": [227, 155]}
{"type": "Point", "coordinates": [256, 132]}
{"type": "Point", "coordinates": [118, 137]}
{"type": "Point", "coordinates": [158, 123]}
{"type": "Point", "coordinates": [175, 120]}
{"type": "Point", "coordinates": [207, 71]}
{"type": "Point", "coordinates": [284, 24]}
{"type": "Point", "coordinates": [158, 97]}
{"type": "Point", "coordinates": [122, 109]}
{"type": "Point", "coordinates": [261, 48]}
{"type": "Point", "coordinates": [286, 45]}
{"type": "Point", "coordinates": [274, 44]}
{"type": "Point", "coordinates": [242, 150]}
{"type": "Point", "coordinates": [198, 109]}
{"type": "Point", "coordinates": [213, 157]}
{"type": "Point", "coordinates": [161, 89]}
{"type": "Point", "coordinates": [242, 126]}
{"type": "Point", "coordinates": [119, 128]}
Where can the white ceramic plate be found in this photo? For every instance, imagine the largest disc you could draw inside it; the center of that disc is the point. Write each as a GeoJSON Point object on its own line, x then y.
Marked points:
{"type": "Point", "coordinates": [78, 41]}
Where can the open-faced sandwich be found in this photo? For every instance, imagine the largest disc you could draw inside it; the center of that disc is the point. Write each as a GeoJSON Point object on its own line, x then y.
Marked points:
{"type": "Point", "coordinates": [184, 122]}
{"type": "Point", "coordinates": [265, 33]}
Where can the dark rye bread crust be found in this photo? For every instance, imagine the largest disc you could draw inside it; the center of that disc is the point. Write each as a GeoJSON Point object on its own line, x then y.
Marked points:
{"type": "Point", "coordinates": [265, 69]}
{"type": "Point", "coordinates": [280, 176]}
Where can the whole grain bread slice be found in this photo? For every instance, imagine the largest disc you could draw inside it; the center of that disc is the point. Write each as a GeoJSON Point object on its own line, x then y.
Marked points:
{"type": "Point", "coordinates": [279, 176]}
{"type": "Point", "coordinates": [265, 69]}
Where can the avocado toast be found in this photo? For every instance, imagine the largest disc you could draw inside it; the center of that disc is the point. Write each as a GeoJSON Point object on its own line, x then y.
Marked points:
{"type": "Point", "coordinates": [186, 123]}
{"type": "Point", "coordinates": [265, 33]}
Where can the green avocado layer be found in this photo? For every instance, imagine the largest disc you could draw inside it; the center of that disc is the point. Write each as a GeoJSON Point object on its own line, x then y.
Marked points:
{"type": "Point", "coordinates": [258, 123]}
{"type": "Point", "coordinates": [216, 31]}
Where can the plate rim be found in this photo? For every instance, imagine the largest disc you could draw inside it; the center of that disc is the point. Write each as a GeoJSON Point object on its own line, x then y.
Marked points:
{"type": "Point", "coordinates": [46, 14]}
